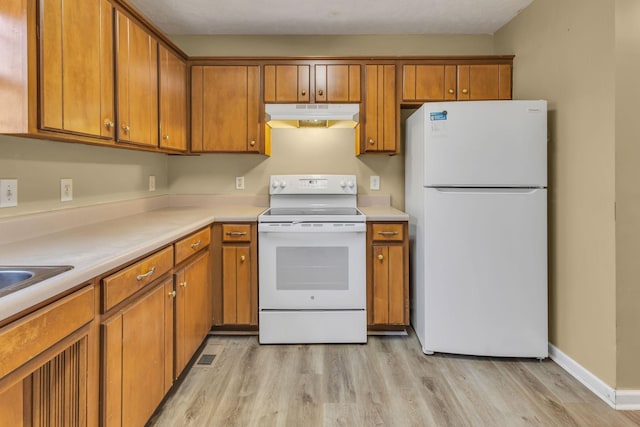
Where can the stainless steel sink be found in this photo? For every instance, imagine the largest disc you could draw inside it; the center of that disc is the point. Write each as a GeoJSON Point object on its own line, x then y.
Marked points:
{"type": "Point", "coordinates": [13, 278]}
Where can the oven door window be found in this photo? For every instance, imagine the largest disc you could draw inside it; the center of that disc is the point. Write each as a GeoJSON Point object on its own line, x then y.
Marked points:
{"type": "Point", "coordinates": [312, 268]}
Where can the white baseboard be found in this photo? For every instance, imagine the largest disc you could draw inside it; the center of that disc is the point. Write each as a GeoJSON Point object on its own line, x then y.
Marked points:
{"type": "Point", "coordinates": [625, 400]}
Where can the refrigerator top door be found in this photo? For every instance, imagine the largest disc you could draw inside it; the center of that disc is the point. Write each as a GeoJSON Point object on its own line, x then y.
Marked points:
{"type": "Point", "coordinates": [485, 144]}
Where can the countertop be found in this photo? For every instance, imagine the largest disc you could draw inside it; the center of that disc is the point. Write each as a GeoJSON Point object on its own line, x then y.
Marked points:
{"type": "Point", "coordinates": [98, 239]}
{"type": "Point", "coordinates": [94, 249]}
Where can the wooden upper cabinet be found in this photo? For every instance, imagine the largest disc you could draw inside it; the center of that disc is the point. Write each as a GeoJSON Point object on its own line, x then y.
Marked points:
{"type": "Point", "coordinates": [137, 83]}
{"type": "Point", "coordinates": [337, 83]}
{"type": "Point", "coordinates": [286, 83]}
{"type": "Point", "coordinates": [76, 67]}
{"type": "Point", "coordinates": [173, 101]}
{"type": "Point", "coordinates": [225, 109]}
{"type": "Point", "coordinates": [484, 82]}
{"type": "Point", "coordinates": [424, 83]}
{"type": "Point", "coordinates": [381, 118]}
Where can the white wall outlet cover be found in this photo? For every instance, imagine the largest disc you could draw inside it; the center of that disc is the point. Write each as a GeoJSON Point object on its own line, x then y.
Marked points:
{"type": "Point", "coordinates": [66, 190]}
{"type": "Point", "coordinates": [8, 193]}
{"type": "Point", "coordinates": [374, 182]}
{"type": "Point", "coordinates": [152, 183]}
{"type": "Point", "coordinates": [239, 182]}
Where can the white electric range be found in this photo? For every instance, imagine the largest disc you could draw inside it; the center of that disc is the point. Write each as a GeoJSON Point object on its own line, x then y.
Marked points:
{"type": "Point", "coordinates": [312, 265]}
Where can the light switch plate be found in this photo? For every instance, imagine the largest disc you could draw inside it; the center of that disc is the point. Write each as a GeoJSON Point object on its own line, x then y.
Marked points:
{"type": "Point", "coordinates": [66, 190]}
{"type": "Point", "coordinates": [374, 182]}
{"type": "Point", "coordinates": [239, 182]}
{"type": "Point", "coordinates": [8, 193]}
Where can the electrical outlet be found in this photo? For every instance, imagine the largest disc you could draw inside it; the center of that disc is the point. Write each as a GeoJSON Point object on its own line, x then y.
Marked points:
{"type": "Point", "coordinates": [239, 182]}
{"type": "Point", "coordinates": [152, 183]}
{"type": "Point", "coordinates": [66, 190]}
{"type": "Point", "coordinates": [8, 193]}
{"type": "Point", "coordinates": [374, 182]}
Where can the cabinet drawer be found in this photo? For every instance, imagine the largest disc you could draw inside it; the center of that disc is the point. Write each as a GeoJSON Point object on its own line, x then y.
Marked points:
{"type": "Point", "coordinates": [387, 232]}
{"type": "Point", "coordinates": [117, 287]}
{"type": "Point", "coordinates": [192, 244]}
{"type": "Point", "coordinates": [24, 339]}
{"type": "Point", "coordinates": [236, 232]}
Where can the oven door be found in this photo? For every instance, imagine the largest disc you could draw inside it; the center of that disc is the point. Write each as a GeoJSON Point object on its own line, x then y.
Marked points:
{"type": "Point", "coordinates": [312, 266]}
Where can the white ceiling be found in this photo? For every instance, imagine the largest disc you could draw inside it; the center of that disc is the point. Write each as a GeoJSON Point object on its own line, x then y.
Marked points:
{"type": "Point", "coordinates": [182, 17]}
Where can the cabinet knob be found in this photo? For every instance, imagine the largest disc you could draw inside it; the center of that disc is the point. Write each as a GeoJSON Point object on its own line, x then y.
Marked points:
{"type": "Point", "coordinates": [172, 294]}
{"type": "Point", "coordinates": [108, 124]}
{"type": "Point", "coordinates": [304, 92]}
{"type": "Point", "coordinates": [380, 257]}
{"type": "Point", "coordinates": [183, 284]}
{"type": "Point", "coordinates": [371, 141]}
{"type": "Point", "coordinates": [252, 143]}
{"type": "Point", "coordinates": [451, 91]}
{"type": "Point", "coordinates": [465, 91]}
{"type": "Point", "coordinates": [320, 92]}
{"type": "Point", "coordinates": [125, 128]}
{"type": "Point", "coordinates": [165, 137]}
{"type": "Point", "coordinates": [242, 258]}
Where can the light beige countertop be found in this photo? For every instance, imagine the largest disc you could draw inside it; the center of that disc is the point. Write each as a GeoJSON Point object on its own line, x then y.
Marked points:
{"type": "Point", "coordinates": [99, 238]}
{"type": "Point", "coordinates": [94, 248]}
{"type": "Point", "coordinates": [383, 213]}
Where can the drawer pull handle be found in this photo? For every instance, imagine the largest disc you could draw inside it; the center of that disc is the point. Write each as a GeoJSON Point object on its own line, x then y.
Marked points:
{"type": "Point", "coordinates": [196, 244]}
{"type": "Point", "coordinates": [147, 274]}
{"type": "Point", "coordinates": [236, 233]}
{"type": "Point", "coordinates": [388, 233]}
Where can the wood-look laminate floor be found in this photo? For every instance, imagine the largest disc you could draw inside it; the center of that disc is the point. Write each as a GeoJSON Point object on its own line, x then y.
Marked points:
{"type": "Point", "coordinates": [387, 382]}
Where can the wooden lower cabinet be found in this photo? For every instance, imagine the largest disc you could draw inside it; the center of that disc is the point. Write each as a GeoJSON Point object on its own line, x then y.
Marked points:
{"type": "Point", "coordinates": [49, 365]}
{"type": "Point", "coordinates": [235, 284]}
{"type": "Point", "coordinates": [387, 278]}
{"type": "Point", "coordinates": [138, 357]}
{"type": "Point", "coordinates": [193, 309]}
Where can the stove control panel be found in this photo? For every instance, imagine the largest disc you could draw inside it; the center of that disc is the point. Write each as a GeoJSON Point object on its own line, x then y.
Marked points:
{"type": "Point", "coordinates": [313, 184]}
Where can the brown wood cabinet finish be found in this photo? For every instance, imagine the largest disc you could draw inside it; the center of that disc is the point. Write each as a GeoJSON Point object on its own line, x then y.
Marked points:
{"type": "Point", "coordinates": [337, 83]}
{"type": "Point", "coordinates": [190, 245]}
{"type": "Point", "coordinates": [76, 67]}
{"type": "Point", "coordinates": [235, 284]}
{"type": "Point", "coordinates": [193, 308]}
{"type": "Point", "coordinates": [137, 83]}
{"type": "Point", "coordinates": [381, 111]}
{"type": "Point", "coordinates": [429, 83]}
{"type": "Point", "coordinates": [138, 355]}
{"type": "Point", "coordinates": [225, 109]}
{"type": "Point", "coordinates": [484, 82]}
{"type": "Point", "coordinates": [388, 275]}
{"type": "Point", "coordinates": [286, 83]}
{"type": "Point", "coordinates": [173, 101]}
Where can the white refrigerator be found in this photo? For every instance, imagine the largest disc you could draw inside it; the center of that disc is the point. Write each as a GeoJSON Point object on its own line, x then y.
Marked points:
{"type": "Point", "coordinates": [475, 191]}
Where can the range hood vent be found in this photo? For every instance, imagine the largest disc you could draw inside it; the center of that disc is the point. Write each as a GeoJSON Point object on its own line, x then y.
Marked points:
{"type": "Point", "coordinates": [329, 112]}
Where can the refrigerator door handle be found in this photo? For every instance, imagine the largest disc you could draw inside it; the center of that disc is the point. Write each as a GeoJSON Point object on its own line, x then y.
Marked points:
{"type": "Point", "coordinates": [468, 190]}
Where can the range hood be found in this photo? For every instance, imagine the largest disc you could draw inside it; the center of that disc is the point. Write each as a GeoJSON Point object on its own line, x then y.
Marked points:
{"type": "Point", "coordinates": [312, 115]}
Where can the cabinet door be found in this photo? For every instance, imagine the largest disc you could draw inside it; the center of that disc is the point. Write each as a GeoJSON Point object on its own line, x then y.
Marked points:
{"type": "Point", "coordinates": [224, 109]}
{"type": "Point", "coordinates": [484, 82]}
{"type": "Point", "coordinates": [12, 406]}
{"type": "Point", "coordinates": [380, 130]}
{"type": "Point", "coordinates": [388, 285]}
{"type": "Point", "coordinates": [193, 309]}
{"type": "Point", "coordinates": [429, 83]}
{"type": "Point", "coordinates": [286, 83]}
{"type": "Point", "coordinates": [136, 358]}
{"type": "Point", "coordinates": [236, 285]}
{"type": "Point", "coordinates": [337, 83]}
{"type": "Point", "coordinates": [76, 67]}
{"type": "Point", "coordinates": [173, 101]}
{"type": "Point", "coordinates": [137, 76]}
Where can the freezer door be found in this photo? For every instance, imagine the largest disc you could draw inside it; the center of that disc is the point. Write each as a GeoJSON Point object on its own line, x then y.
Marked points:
{"type": "Point", "coordinates": [485, 144]}
{"type": "Point", "coordinates": [486, 272]}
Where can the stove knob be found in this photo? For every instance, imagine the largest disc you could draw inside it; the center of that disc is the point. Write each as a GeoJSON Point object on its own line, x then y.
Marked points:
{"type": "Point", "coordinates": [343, 184]}
{"type": "Point", "coordinates": [283, 184]}
{"type": "Point", "coordinates": [350, 184]}
{"type": "Point", "coordinates": [275, 184]}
